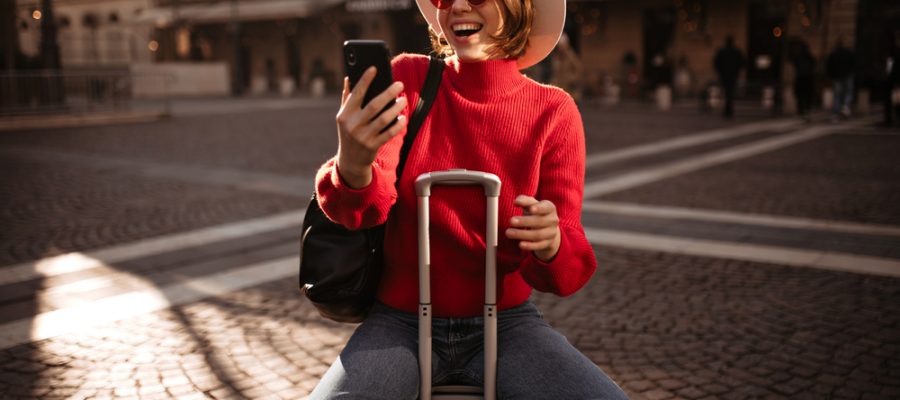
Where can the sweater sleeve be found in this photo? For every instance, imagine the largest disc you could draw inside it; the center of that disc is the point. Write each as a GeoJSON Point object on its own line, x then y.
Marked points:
{"type": "Point", "coordinates": [562, 182]}
{"type": "Point", "coordinates": [369, 206]}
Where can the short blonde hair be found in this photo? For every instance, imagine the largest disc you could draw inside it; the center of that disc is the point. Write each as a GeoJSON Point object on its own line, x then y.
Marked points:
{"type": "Point", "coordinates": [511, 41]}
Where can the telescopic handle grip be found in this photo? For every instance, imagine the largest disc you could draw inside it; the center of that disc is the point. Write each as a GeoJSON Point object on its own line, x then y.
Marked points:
{"type": "Point", "coordinates": [457, 177]}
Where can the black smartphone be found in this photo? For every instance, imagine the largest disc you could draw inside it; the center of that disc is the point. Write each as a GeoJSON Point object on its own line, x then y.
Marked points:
{"type": "Point", "coordinates": [359, 55]}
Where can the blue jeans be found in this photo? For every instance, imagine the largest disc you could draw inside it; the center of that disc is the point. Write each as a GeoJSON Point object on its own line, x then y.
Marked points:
{"type": "Point", "coordinates": [843, 94]}
{"type": "Point", "coordinates": [534, 361]}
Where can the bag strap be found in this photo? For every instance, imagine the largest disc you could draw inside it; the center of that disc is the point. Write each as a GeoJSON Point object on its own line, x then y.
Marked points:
{"type": "Point", "coordinates": [426, 99]}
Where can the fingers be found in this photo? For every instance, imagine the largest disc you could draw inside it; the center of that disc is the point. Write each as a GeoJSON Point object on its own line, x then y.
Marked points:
{"type": "Point", "coordinates": [371, 136]}
{"type": "Point", "coordinates": [359, 91]}
{"type": "Point", "coordinates": [538, 228]}
{"type": "Point", "coordinates": [389, 134]}
{"type": "Point", "coordinates": [379, 102]}
{"type": "Point", "coordinates": [346, 92]}
{"type": "Point", "coordinates": [371, 131]}
{"type": "Point", "coordinates": [388, 116]}
{"type": "Point", "coordinates": [531, 206]}
{"type": "Point", "coordinates": [524, 201]}
{"type": "Point", "coordinates": [368, 121]}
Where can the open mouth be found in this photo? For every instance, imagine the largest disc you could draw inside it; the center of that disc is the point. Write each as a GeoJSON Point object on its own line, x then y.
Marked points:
{"type": "Point", "coordinates": [466, 29]}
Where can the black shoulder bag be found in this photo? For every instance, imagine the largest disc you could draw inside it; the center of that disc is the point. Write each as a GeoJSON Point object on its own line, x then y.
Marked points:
{"type": "Point", "coordinates": [339, 268]}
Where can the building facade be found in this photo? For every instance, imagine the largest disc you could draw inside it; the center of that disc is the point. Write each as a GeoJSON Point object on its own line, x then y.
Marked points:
{"type": "Point", "coordinates": [285, 46]}
{"type": "Point", "coordinates": [91, 33]}
{"type": "Point", "coordinates": [278, 46]}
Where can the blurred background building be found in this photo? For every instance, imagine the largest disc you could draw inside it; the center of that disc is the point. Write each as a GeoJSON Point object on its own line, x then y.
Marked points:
{"type": "Point", "coordinates": [287, 47]}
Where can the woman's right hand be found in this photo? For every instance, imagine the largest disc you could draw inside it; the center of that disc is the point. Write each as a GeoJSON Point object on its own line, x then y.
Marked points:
{"type": "Point", "coordinates": [359, 128]}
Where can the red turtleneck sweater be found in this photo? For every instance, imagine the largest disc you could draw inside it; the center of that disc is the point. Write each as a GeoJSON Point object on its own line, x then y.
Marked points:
{"type": "Point", "coordinates": [487, 117]}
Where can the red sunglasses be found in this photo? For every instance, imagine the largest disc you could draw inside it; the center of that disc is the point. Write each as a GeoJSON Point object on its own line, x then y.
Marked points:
{"type": "Point", "coordinates": [445, 4]}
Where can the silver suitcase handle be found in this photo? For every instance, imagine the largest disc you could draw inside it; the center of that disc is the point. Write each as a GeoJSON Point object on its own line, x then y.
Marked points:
{"type": "Point", "coordinates": [491, 185]}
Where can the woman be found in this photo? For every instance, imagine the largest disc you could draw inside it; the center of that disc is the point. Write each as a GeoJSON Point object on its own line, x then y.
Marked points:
{"type": "Point", "coordinates": [488, 117]}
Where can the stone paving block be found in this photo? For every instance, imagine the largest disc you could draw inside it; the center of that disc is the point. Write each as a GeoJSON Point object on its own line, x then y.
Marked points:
{"type": "Point", "coordinates": [63, 391]}
{"type": "Point", "coordinates": [102, 396]}
{"type": "Point", "coordinates": [278, 385]}
{"type": "Point", "coordinates": [39, 392]}
{"type": "Point", "coordinates": [194, 396]}
{"type": "Point", "coordinates": [691, 392]}
{"type": "Point", "coordinates": [175, 381]}
{"type": "Point", "coordinates": [144, 390]}
{"type": "Point", "coordinates": [177, 391]}
{"type": "Point", "coordinates": [779, 377]}
{"type": "Point", "coordinates": [156, 396]}
{"type": "Point", "coordinates": [293, 393]}
{"type": "Point", "coordinates": [847, 392]}
{"type": "Point", "coordinates": [657, 394]}
{"type": "Point", "coordinates": [205, 384]}
{"type": "Point", "coordinates": [257, 392]}
{"type": "Point", "coordinates": [224, 393]}
{"type": "Point", "coordinates": [671, 384]}
{"type": "Point", "coordinates": [715, 389]}
{"type": "Point", "coordinates": [640, 386]}
{"type": "Point", "coordinates": [792, 387]}
{"type": "Point", "coordinates": [654, 374]}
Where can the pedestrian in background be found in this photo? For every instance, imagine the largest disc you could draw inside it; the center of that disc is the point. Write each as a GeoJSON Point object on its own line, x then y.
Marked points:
{"type": "Point", "coordinates": [660, 71]}
{"type": "Point", "coordinates": [683, 78]}
{"type": "Point", "coordinates": [630, 74]}
{"type": "Point", "coordinates": [841, 62]}
{"type": "Point", "coordinates": [729, 62]}
{"type": "Point", "coordinates": [893, 79]}
{"type": "Point", "coordinates": [804, 67]}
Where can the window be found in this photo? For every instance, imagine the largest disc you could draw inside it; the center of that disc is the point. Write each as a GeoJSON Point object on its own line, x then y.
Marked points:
{"type": "Point", "coordinates": [691, 15]}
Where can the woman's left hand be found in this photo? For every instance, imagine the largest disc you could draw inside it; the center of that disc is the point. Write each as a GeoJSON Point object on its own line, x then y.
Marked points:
{"type": "Point", "coordinates": [538, 229]}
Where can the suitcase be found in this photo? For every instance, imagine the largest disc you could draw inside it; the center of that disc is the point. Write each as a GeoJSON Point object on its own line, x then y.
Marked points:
{"type": "Point", "coordinates": [491, 185]}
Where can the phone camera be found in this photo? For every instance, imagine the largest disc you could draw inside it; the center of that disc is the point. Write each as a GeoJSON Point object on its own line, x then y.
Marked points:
{"type": "Point", "coordinates": [351, 57]}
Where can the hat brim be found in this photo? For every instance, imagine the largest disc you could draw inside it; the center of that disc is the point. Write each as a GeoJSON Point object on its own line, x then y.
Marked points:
{"type": "Point", "coordinates": [547, 27]}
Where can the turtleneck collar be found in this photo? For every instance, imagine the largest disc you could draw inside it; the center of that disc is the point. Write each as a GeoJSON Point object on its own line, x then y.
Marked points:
{"type": "Point", "coordinates": [484, 79]}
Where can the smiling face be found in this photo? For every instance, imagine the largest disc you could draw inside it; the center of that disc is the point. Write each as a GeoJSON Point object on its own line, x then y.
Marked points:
{"type": "Point", "coordinates": [470, 30]}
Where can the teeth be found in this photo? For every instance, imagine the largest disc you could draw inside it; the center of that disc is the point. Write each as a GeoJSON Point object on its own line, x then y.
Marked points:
{"type": "Point", "coordinates": [466, 27]}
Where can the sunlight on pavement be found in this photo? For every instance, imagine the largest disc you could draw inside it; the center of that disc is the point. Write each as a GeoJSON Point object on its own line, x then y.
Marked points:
{"type": "Point", "coordinates": [166, 341]}
{"type": "Point", "coordinates": [81, 316]}
{"type": "Point", "coordinates": [66, 263]}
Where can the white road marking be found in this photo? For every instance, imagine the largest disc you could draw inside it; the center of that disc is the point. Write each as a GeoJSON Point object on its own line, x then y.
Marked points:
{"type": "Point", "coordinates": [245, 180]}
{"type": "Point", "coordinates": [648, 175]}
{"type": "Point", "coordinates": [746, 252]}
{"type": "Point", "coordinates": [596, 159]}
{"type": "Point", "coordinates": [778, 221]}
{"type": "Point", "coordinates": [102, 258]}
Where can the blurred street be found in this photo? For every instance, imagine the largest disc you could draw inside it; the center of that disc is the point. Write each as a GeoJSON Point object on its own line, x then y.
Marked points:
{"type": "Point", "coordinates": [755, 257]}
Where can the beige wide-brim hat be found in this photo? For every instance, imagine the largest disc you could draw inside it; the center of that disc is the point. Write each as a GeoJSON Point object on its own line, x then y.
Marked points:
{"type": "Point", "coordinates": [547, 26]}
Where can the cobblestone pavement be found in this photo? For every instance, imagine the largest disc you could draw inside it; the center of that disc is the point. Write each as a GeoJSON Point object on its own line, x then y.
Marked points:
{"type": "Point", "coordinates": [862, 183]}
{"type": "Point", "coordinates": [51, 210]}
{"type": "Point", "coordinates": [662, 324]}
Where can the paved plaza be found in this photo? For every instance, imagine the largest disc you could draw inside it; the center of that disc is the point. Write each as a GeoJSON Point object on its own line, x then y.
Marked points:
{"type": "Point", "coordinates": [757, 257]}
